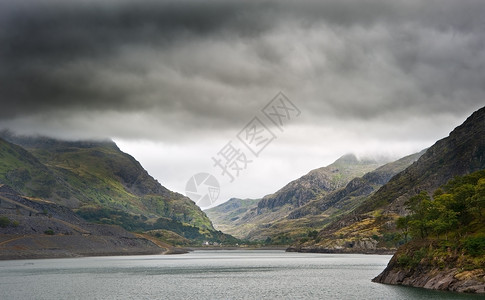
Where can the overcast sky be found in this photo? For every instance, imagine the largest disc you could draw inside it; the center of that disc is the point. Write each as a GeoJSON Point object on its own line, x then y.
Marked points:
{"type": "Point", "coordinates": [173, 82]}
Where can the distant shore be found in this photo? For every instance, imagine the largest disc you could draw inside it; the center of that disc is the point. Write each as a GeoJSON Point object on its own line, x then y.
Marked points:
{"type": "Point", "coordinates": [381, 251]}
{"type": "Point", "coordinates": [237, 248]}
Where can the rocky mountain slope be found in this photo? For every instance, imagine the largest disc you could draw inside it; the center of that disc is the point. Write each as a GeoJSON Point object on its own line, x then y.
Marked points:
{"type": "Point", "coordinates": [304, 221]}
{"type": "Point", "coordinates": [371, 226]}
{"type": "Point", "coordinates": [348, 197]}
{"type": "Point", "coordinates": [261, 222]}
{"type": "Point", "coordinates": [35, 228]}
{"type": "Point", "coordinates": [101, 184]}
{"type": "Point", "coordinates": [318, 182]}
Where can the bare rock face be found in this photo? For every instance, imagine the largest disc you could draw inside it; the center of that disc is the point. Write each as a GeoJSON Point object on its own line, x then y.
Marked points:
{"type": "Point", "coordinates": [366, 244]}
{"type": "Point", "coordinates": [318, 182]}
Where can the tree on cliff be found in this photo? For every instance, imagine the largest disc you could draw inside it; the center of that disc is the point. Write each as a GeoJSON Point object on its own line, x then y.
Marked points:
{"type": "Point", "coordinates": [455, 210]}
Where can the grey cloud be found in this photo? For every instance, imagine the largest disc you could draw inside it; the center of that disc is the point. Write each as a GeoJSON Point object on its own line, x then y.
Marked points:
{"type": "Point", "coordinates": [211, 65]}
{"type": "Point", "coordinates": [51, 54]}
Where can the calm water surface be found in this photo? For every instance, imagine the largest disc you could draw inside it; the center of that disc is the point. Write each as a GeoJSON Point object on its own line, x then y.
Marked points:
{"type": "Point", "coordinates": [206, 275]}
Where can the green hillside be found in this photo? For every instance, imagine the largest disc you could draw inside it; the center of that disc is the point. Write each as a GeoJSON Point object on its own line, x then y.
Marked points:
{"type": "Point", "coordinates": [102, 184]}
{"type": "Point", "coordinates": [22, 171]}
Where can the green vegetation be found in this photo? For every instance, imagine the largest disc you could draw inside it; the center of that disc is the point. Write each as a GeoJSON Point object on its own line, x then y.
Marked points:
{"type": "Point", "coordinates": [230, 212]}
{"type": "Point", "coordinates": [23, 172]}
{"type": "Point", "coordinates": [102, 175]}
{"type": "Point", "coordinates": [432, 253]}
{"type": "Point", "coordinates": [49, 232]}
{"type": "Point", "coordinates": [453, 212]}
{"type": "Point", "coordinates": [6, 222]}
{"type": "Point", "coordinates": [475, 246]}
{"type": "Point", "coordinates": [139, 223]}
{"type": "Point", "coordinates": [458, 154]}
{"type": "Point", "coordinates": [170, 237]}
{"type": "Point", "coordinates": [412, 261]}
{"type": "Point", "coordinates": [448, 228]}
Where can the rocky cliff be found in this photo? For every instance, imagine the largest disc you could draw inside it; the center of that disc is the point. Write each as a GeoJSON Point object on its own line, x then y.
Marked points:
{"type": "Point", "coordinates": [448, 273]}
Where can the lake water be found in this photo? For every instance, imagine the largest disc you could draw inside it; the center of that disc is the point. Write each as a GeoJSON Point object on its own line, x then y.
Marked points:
{"type": "Point", "coordinates": [207, 275]}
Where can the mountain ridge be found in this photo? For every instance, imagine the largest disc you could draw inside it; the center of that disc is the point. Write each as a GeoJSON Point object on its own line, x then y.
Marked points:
{"type": "Point", "coordinates": [321, 180]}
{"type": "Point", "coordinates": [372, 223]}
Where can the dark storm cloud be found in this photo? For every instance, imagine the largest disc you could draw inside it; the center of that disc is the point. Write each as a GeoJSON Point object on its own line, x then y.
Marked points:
{"type": "Point", "coordinates": [51, 51]}
{"type": "Point", "coordinates": [211, 64]}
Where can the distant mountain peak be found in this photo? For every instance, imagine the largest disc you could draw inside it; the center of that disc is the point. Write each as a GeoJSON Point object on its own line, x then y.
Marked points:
{"type": "Point", "coordinates": [45, 142]}
{"type": "Point", "coordinates": [347, 158]}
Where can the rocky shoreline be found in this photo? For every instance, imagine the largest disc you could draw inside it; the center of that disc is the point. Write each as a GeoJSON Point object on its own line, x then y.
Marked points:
{"type": "Point", "coordinates": [379, 251]}
{"type": "Point", "coordinates": [453, 276]}
{"type": "Point", "coordinates": [452, 280]}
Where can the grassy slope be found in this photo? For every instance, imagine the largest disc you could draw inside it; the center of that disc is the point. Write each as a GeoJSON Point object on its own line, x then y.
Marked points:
{"type": "Point", "coordinates": [25, 173]}
{"type": "Point", "coordinates": [102, 175]}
